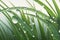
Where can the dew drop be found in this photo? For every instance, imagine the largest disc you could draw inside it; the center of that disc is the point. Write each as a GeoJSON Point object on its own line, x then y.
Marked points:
{"type": "Point", "coordinates": [53, 17]}
{"type": "Point", "coordinates": [54, 22]}
{"type": "Point", "coordinates": [51, 34]}
{"type": "Point", "coordinates": [59, 31]}
{"type": "Point", "coordinates": [14, 20]}
{"type": "Point", "coordinates": [51, 20]}
{"type": "Point", "coordinates": [24, 31]}
{"type": "Point", "coordinates": [20, 23]}
{"type": "Point", "coordinates": [33, 36]}
{"type": "Point", "coordinates": [32, 23]}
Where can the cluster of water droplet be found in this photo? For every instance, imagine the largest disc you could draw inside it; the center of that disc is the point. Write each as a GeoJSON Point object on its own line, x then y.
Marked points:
{"type": "Point", "coordinates": [52, 21]}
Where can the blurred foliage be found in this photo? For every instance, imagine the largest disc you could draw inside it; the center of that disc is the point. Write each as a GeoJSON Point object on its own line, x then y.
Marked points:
{"type": "Point", "coordinates": [23, 25]}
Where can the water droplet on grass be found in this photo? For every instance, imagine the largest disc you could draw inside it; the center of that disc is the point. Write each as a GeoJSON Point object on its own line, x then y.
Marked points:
{"type": "Point", "coordinates": [54, 22]}
{"type": "Point", "coordinates": [53, 17]}
{"type": "Point", "coordinates": [14, 20]}
{"type": "Point", "coordinates": [24, 31]}
{"type": "Point", "coordinates": [33, 36]}
{"type": "Point", "coordinates": [32, 23]}
{"type": "Point", "coordinates": [59, 31]}
{"type": "Point", "coordinates": [51, 20]}
{"type": "Point", "coordinates": [20, 23]}
{"type": "Point", "coordinates": [51, 34]}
